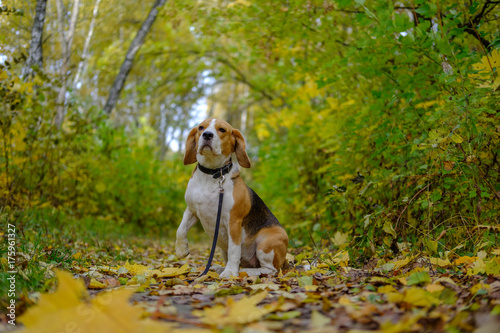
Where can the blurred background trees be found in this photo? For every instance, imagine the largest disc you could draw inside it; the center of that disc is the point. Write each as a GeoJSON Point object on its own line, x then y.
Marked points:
{"type": "Point", "coordinates": [370, 123]}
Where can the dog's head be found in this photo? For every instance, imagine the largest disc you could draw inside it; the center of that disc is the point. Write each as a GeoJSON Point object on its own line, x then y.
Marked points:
{"type": "Point", "coordinates": [212, 142]}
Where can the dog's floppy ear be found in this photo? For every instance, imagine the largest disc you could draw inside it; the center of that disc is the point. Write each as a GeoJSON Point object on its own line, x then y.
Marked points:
{"type": "Point", "coordinates": [240, 148]}
{"type": "Point", "coordinates": [190, 155]}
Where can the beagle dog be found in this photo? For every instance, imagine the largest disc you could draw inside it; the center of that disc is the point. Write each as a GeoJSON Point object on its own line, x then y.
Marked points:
{"type": "Point", "coordinates": [249, 234]}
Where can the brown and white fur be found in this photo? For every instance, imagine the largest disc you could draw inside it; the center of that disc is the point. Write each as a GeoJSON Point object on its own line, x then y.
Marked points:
{"type": "Point", "coordinates": [249, 234]}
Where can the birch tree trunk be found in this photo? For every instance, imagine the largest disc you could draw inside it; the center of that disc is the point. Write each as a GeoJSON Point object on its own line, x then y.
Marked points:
{"type": "Point", "coordinates": [117, 87]}
{"type": "Point", "coordinates": [35, 57]}
{"type": "Point", "coordinates": [83, 62]}
{"type": "Point", "coordinates": [66, 41]}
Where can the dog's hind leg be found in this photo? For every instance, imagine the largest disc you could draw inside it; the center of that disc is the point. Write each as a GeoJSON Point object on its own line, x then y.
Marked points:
{"type": "Point", "coordinates": [266, 264]}
{"type": "Point", "coordinates": [271, 251]}
{"type": "Point", "coordinates": [181, 242]}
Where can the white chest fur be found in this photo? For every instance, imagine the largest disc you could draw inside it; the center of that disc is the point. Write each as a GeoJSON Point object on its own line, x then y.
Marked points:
{"type": "Point", "coordinates": [202, 198]}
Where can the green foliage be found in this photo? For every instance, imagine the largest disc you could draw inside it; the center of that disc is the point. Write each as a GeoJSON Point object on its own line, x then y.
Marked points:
{"type": "Point", "coordinates": [5, 10]}
{"type": "Point", "coordinates": [90, 168]}
{"type": "Point", "coordinates": [387, 118]}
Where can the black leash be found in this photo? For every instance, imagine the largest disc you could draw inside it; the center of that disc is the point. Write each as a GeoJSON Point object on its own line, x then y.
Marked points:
{"type": "Point", "coordinates": [217, 224]}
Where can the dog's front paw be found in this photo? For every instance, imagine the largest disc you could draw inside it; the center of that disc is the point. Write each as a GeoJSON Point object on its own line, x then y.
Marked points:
{"type": "Point", "coordinates": [227, 273]}
{"type": "Point", "coordinates": [181, 249]}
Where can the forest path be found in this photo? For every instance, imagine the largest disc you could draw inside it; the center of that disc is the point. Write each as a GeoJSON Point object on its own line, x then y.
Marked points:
{"type": "Point", "coordinates": [411, 293]}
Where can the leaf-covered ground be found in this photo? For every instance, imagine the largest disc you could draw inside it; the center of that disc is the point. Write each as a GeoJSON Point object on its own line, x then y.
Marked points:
{"type": "Point", "coordinates": [318, 292]}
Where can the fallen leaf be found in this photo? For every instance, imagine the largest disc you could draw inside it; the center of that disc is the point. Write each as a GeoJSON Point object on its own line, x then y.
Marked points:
{"type": "Point", "coordinates": [464, 260]}
{"type": "Point", "coordinates": [440, 262]}
{"type": "Point", "coordinates": [386, 289]}
{"type": "Point", "coordinates": [318, 320]}
{"type": "Point", "coordinates": [284, 315]}
{"type": "Point", "coordinates": [173, 271]}
{"type": "Point", "coordinates": [448, 165]}
{"type": "Point", "coordinates": [474, 289]}
{"type": "Point", "coordinates": [420, 297]}
{"type": "Point", "coordinates": [234, 290]}
{"type": "Point", "coordinates": [477, 267]}
{"type": "Point", "coordinates": [235, 312]}
{"type": "Point", "coordinates": [264, 286]}
{"type": "Point", "coordinates": [340, 239]}
{"type": "Point", "coordinates": [434, 287]}
{"type": "Point", "coordinates": [389, 229]}
{"type": "Point", "coordinates": [305, 281]}
{"type": "Point", "coordinates": [94, 284]}
{"type": "Point", "coordinates": [418, 278]}
{"type": "Point", "coordinates": [65, 309]}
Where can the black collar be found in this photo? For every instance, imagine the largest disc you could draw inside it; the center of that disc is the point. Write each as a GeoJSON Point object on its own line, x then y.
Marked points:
{"type": "Point", "coordinates": [217, 173]}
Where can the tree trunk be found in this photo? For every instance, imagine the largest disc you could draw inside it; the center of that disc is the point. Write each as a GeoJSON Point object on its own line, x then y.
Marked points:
{"type": "Point", "coordinates": [66, 41]}
{"type": "Point", "coordinates": [83, 61]}
{"type": "Point", "coordinates": [117, 87]}
{"type": "Point", "coordinates": [35, 57]}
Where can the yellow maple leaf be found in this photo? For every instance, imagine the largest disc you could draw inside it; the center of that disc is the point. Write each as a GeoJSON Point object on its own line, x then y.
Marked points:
{"type": "Point", "coordinates": [477, 267]}
{"type": "Point", "coordinates": [66, 309]}
{"type": "Point", "coordinates": [136, 269]}
{"type": "Point", "coordinates": [493, 266]}
{"type": "Point", "coordinates": [340, 239]}
{"type": "Point", "coordinates": [386, 289]}
{"type": "Point", "coordinates": [173, 271]}
{"type": "Point", "coordinates": [394, 297]}
{"type": "Point", "coordinates": [440, 262]}
{"type": "Point", "coordinates": [403, 262]}
{"type": "Point", "coordinates": [344, 300]}
{"type": "Point", "coordinates": [318, 320]}
{"type": "Point", "coordinates": [420, 297]}
{"type": "Point", "coordinates": [341, 258]}
{"type": "Point", "coordinates": [434, 288]}
{"type": "Point", "coordinates": [486, 70]}
{"type": "Point", "coordinates": [408, 322]}
{"type": "Point", "coordinates": [235, 312]}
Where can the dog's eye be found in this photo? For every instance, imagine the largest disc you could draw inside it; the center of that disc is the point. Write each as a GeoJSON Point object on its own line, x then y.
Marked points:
{"type": "Point", "coordinates": [222, 130]}
{"type": "Point", "coordinates": [201, 128]}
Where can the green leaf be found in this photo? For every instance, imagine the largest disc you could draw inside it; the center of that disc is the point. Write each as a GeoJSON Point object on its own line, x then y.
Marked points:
{"type": "Point", "coordinates": [234, 290]}
{"type": "Point", "coordinates": [432, 246]}
{"type": "Point", "coordinates": [389, 229]}
{"type": "Point", "coordinates": [284, 315]}
{"type": "Point", "coordinates": [419, 278]}
{"type": "Point", "coordinates": [305, 281]}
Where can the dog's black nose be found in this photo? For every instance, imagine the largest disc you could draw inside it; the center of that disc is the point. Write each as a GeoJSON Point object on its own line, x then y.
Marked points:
{"type": "Point", "coordinates": [208, 135]}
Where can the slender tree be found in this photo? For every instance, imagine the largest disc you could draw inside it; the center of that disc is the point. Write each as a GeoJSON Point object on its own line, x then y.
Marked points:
{"type": "Point", "coordinates": [129, 57]}
{"type": "Point", "coordinates": [85, 52]}
{"type": "Point", "coordinates": [66, 42]}
{"type": "Point", "coordinates": [35, 57]}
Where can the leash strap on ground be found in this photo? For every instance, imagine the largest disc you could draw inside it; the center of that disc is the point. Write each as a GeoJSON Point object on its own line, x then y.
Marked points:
{"type": "Point", "coordinates": [216, 234]}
